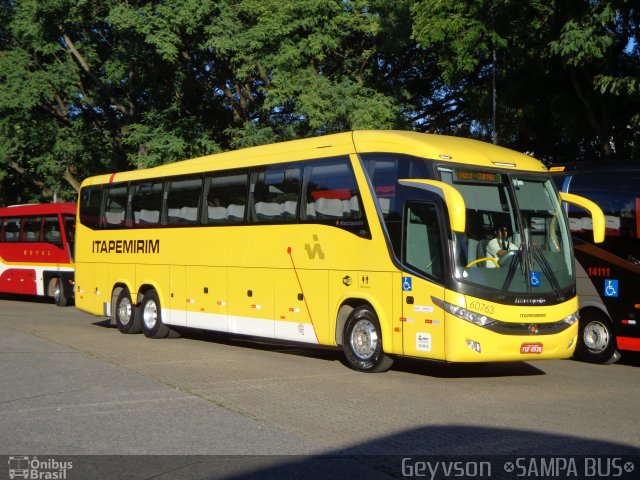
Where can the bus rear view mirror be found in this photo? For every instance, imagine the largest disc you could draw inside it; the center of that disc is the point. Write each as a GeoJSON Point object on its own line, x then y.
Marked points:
{"type": "Point", "coordinates": [597, 216]}
{"type": "Point", "coordinates": [452, 199]}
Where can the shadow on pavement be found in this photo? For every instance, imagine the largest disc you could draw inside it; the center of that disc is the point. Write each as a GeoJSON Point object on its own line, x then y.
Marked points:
{"type": "Point", "coordinates": [439, 452]}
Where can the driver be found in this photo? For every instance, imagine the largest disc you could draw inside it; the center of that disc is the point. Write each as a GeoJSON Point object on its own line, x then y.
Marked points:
{"type": "Point", "coordinates": [499, 245]}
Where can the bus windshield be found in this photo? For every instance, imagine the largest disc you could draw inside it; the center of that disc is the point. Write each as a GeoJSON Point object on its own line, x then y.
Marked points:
{"type": "Point", "coordinates": [516, 240]}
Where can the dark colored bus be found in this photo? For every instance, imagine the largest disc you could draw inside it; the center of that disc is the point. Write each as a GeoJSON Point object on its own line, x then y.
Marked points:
{"type": "Point", "coordinates": [608, 280]}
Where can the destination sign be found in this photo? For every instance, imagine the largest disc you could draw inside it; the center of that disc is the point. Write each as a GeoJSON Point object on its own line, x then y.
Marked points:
{"type": "Point", "coordinates": [471, 176]}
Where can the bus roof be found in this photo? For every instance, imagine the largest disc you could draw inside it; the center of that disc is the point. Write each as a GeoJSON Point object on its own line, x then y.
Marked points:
{"type": "Point", "coordinates": [610, 166]}
{"type": "Point", "coordinates": [38, 209]}
{"type": "Point", "coordinates": [436, 147]}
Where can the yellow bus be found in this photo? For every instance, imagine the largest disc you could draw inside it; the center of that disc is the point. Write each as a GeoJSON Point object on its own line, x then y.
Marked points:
{"type": "Point", "coordinates": [378, 242]}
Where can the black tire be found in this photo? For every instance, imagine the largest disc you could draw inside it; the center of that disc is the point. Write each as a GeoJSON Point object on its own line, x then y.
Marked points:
{"type": "Point", "coordinates": [362, 342]}
{"type": "Point", "coordinates": [596, 340]}
{"type": "Point", "coordinates": [127, 319]}
{"type": "Point", "coordinates": [151, 318]}
{"type": "Point", "coordinates": [56, 290]}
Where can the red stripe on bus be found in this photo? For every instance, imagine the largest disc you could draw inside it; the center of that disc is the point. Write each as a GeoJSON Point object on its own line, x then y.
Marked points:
{"type": "Point", "coordinates": [295, 270]}
{"type": "Point", "coordinates": [628, 343]}
{"type": "Point", "coordinates": [637, 217]}
{"type": "Point", "coordinates": [112, 177]}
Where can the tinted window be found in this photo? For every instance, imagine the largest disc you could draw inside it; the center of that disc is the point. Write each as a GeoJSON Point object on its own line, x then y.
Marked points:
{"type": "Point", "coordinates": [331, 196]}
{"type": "Point", "coordinates": [275, 193]}
{"type": "Point", "coordinates": [616, 195]}
{"type": "Point", "coordinates": [31, 229]}
{"type": "Point", "coordinates": [69, 222]}
{"type": "Point", "coordinates": [183, 199]}
{"type": "Point", "coordinates": [115, 205]}
{"type": "Point", "coordinates": [619, 198]}
{"type": "Point", "coordinates": [226, 197]}
{"type": "Point", "coordinates": [146, 203]}
{"type": "Point", "coordinates": [51, 230]}
{"type": "Point", "coordinates": [12, 229]}
{"type": "Point", "coordinates": [384, 170]}
{"type": "Point", "coordinates": [423, 247]}
{"type": "Point", "coordinates": [90, 205]}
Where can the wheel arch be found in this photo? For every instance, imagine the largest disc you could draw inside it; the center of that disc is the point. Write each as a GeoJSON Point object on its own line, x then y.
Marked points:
{"type": "Point", "coordinates": [117, 287]}
{"type": "Point", "coordinates": [590, 305]}
{"type": "Point", "coordinates": [147, 286]}
{"type": "Point", "coordinates": [348, 304]}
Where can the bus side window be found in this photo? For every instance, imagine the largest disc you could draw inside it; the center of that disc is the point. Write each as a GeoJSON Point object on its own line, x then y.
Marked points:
{"type": "Point", "coordinates": [226, 198]}
{"type": "Point", "coordinates": [275, 194]}
{"type": "Point", "coordinates": [331, 191]}
{"type": "Point", "coordinates": [12, 229]}
{"type": "Point", "coordinates": [146, 203]}
{"type": "Point", "coordinates": [51, 230]}
{"type": "Point", "coordinates": [90, 205]}
{"type": "Point", "coordinates": [32, 227]}
{"type": "Point", "coordinates": [115, 205]}
{"type": "Point", "coordinates": [423, 247]}
{"type": "Point", "coordinates": [183, 199]}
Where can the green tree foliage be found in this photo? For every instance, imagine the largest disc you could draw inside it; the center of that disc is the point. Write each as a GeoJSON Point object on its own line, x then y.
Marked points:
{"type": "Point", "coordinates": [92, 86]}
{"type": "Point", "coordinates": [567, 72]}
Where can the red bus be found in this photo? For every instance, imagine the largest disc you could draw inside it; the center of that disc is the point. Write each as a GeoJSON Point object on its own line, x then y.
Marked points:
{"type": "Point", "coordinates": [36, 250]}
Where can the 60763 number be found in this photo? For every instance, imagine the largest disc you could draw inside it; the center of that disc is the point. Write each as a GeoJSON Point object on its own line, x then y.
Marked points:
{"type": "Point", "coordinates": [481, 307]}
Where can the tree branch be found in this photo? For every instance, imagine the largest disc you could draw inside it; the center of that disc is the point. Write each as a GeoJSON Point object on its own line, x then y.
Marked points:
{"type": "Point", "coordinates": [85, 66]}
{"type": "Point", "coordinates": [71, 179]}
{"type": "Point", "coordinates": [46, 191]}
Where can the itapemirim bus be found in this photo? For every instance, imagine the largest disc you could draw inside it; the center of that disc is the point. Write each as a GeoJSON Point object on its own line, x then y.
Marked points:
{"type": "Point", "coordinates": [607, 274]}
{"type": "Point", "coordinates": [375, 241]}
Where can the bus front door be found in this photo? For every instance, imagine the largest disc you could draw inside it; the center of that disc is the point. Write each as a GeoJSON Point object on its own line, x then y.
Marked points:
{"type": "Point", "coordinates": [422, 321]}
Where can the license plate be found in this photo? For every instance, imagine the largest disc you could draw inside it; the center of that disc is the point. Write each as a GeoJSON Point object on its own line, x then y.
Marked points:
{"type": "Point", "coordinates": [531, 348]}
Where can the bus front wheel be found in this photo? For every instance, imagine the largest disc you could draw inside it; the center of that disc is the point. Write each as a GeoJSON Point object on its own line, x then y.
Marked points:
{"type": "Point", "coordinates": [151, 317]}
{"type": "Point", "coordinates": [362, 342]}
{"type": "Point", "coordinates": [56, 290]}
{"type": "Point", "coordinates": [596, 340]}
{"type": "Point", "coordinates": [126, 318]}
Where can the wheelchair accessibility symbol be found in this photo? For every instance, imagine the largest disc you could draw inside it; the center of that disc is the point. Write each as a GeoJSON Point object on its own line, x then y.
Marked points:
{"type": "Point", "coordinates": [611, 288]}
{"type": "Point", "coordinates": [406, 284]}
{"type": "Point", "coordinates": [534, 279]}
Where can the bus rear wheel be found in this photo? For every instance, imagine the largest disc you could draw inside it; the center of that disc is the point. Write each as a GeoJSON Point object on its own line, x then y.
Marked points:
{"type": "Point", "coordinates": [596, 340]}
{"type": "Point", "coordinates": [362, 342]}
{"type": "Point", "coordinates": [151, 317]}
{"type": "Point", "coordinates": [125, 313]}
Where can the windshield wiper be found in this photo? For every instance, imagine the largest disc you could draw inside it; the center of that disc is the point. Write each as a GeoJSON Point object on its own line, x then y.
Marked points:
{"type": "Point", "coordinates": [512, 271]}
{"type": "Point", "coordinates": [546, 268]}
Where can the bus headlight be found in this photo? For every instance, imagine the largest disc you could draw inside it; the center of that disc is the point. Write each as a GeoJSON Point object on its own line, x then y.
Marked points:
{"type": "Point", "coordinates": [464, 314]}
{"type": "Point", "coordinates": [571, 319]}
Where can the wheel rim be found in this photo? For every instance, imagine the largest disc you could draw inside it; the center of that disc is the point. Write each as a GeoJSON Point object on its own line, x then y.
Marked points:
{"type": "Point", "coordinates": [124, 311]}
{"type": "Point", "coordinates": [56, 292]}
{"type": "Point", "coordinates": [364, 339]}
{"type": "Point", "coordinates": [150, 314]}
{"type": "Point", "coordinates": [596, 336]}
